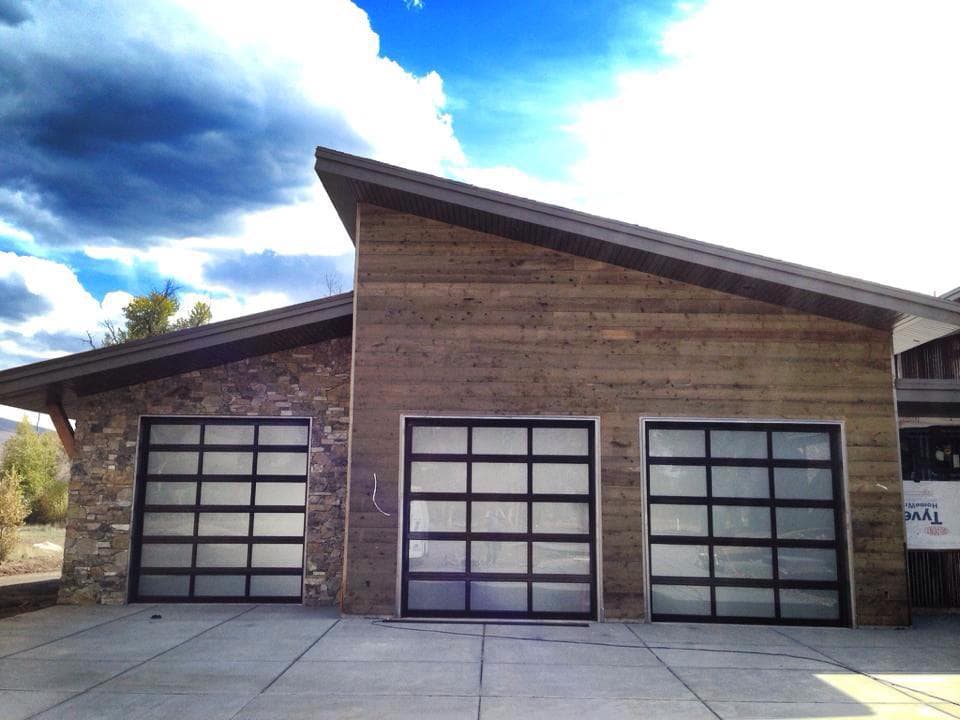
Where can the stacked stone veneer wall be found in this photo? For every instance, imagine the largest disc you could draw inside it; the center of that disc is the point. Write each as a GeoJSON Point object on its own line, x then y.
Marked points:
{"type": "Point", "coordinates": [310, 381]}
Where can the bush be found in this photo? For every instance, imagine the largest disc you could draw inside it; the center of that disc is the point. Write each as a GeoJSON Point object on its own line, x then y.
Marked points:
{"type": "Point", "coordinates": [50, 506]}
{"type": "Point", "coordinates": [13, 511]}
{"type": "Point", "coordinates": [42, 465]}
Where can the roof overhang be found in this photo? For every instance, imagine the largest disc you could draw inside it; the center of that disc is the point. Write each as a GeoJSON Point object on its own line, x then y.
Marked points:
{"type": "Point", "coordinates": [928, 398]}
{"type": "Point", "coordinates": [65, 379]}
{"type": "Point", "coordinates": [349, 180]}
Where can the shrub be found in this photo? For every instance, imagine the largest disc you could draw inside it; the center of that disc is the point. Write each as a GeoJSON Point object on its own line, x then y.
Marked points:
{"type": "Point", "coordinates": [50, 506]}
{"type": "Point", "coordinates": [42, 465]}
{"type": "Point", "coordinates": [13, 511]}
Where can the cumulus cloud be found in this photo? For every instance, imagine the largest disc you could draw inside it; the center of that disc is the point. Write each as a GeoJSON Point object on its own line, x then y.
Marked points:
{"type": "Point", "coordinates": [55, 312]}
{"type": "Point", "coordinates": [124, 123]}
{"type": "Point", "coordinates": [17, 303]}
{"type": "Point", "coordinates": [823, 133]}
{"type": "Point", "coordinates": [175, 139]}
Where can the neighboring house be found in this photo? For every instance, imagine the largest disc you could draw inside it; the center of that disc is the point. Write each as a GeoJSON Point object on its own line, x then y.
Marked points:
{"type": "Point", "coordinates": [928, 400]}
{"type": "Point", "coordinates": [521, 411]}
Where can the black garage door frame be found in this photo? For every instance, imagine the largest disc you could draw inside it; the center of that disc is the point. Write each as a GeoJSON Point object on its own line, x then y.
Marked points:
{"type": "Point", "coordinates": [140, 506]}
{"type": "Point", "coordinates": [407, 457]}
{"type": "Point", "coordinates": [843, 584]}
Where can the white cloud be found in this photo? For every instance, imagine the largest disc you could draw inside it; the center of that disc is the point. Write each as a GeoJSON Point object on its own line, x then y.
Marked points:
{"type": "Point", "coordinates": [71, 311]}
{"type": "Point", "coordinates": [330, 48]}
{"type": "Point", "coordinates": [231, 306]}
{"type": "Point", "coordinates": [823, 133]}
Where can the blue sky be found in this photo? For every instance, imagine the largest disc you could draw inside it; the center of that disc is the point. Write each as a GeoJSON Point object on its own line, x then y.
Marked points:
{"type": "Point", "coordinates": [173, 139]}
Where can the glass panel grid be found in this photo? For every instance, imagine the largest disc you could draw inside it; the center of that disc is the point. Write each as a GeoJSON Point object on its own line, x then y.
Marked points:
{"type": "Point", "coordinates": [772, 491]}
{"type": "Point", "coordinates": [206, 499]}
{"type": "Point", "coordinates": [525, 519]}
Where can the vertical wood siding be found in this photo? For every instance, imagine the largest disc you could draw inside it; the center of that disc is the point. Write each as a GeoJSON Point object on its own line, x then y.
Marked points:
{"type": "Point", "coordinates": [456, 322]}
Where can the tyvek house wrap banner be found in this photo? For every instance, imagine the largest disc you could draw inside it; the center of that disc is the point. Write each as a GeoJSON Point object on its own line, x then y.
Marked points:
{"type": "Point", "coordinates": [932, 513]}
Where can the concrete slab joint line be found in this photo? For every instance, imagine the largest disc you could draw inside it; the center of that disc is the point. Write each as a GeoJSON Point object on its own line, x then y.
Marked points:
{"type": "Point", "coordinates": [141, 663]}
{"type": "Point", "coordinates": [271, 662]}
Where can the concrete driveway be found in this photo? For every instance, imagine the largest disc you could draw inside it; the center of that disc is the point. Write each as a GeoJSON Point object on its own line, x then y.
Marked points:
{"type": "Point", "coordinates": [213, 662]}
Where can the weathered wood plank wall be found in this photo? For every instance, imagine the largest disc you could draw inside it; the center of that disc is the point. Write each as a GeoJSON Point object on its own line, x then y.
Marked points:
{"type": "Point", "coordinates": [452, 321]}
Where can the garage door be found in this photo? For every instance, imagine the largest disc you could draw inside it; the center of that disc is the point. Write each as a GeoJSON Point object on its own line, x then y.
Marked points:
{"type": "Point", "coordinates": [499, 519]}
{"type": "Point", "coordinates": [220, 510]}
{"type": "Point", "coordinates": [746, 523]}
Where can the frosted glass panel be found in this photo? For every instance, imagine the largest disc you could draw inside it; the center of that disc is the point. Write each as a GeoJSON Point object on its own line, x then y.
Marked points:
{"type": "Point", "coordinates": [741, 521]}
{"type": "Point", "coordinates": [226, 493]}
{"type": "Point", "coordinates": [490, 556]}
{"type": "Point", "coordinates": [221, 555]}
{"type": "Point", "coordinates": [155, 523]}
{"type": "Point", "coordinates": [807, 563]}
{"type": "Point", "coordinates": [678, 519]}
{"type": "Point", "coordinates": [561, 558]}
{"type": "Point", "coordinates": [803, 483]}
{"type": "Point", "coordinates": [171, 493]}
{"type": "Point", "coordinates": [283, 435]}
{"type": "Point", "coordinates": [437, 555]}
{"type": "Point", "coordinates": [288, 555]}
{"type": "Point", "coordinates": [560, 441]}
{"type": "Point", "coordinates": [436, 595]}
{"type": "Point", "coordinates": [805, 523]}
{"type": "Point", "coordinates": [174, 434]}
{"type": "Point", "coordinates": [742, 562]}
{"type": "Point", "coordinates": [810, 604]}
{"type": "Point", "coordinates": [449, 440]}
{"type": "Point", "coordinates": [438, 476]}
{"type": "Point", "coordinates": [500, 441]}
{"type": "Point", "coordinates": [745, 602]}
{"type": "Point", "coordinates": [561, 478]}
{"type": "Point", "coordinates": [227, 463]}
{"type": "Point", "coordinates": [224, 523]}
{"type": "Point", "coordinates": [281, 463]}
{"type": "Point", "coordinates": [680, 599]}
{"type": "Point", "coordinates": [738, 444]}
{"type": "Point", "coordinates": [438, 516]}
{"type": "Point", "coordinates": [677, 443]}
{"type": "Point", "coordinates": [499, 517]}
{"type": "Point", "coordinates": [275, 585]}
{"type": "Point", "coordinates": [686, 480]}
{"type": "Point", "coordinates": [498, 596]}
{"type": "Point", "coordinates": [748, 482]}
{"type": "Point", "coordinates": [228, 435]}
{"type": "Point", "coordinates": [281, 493]}
{"type": "Point", "coordinates": [680, 560]}
{"type": "Point", "coordinates": [219, 585]}
{"type": "Point", "coordinates": [278, 524]}
{"type": "Point", "coordinates": [499, 477]}
{"type": "Point", "coordinates": [801, 445]}
{"type": "Point", "coordinates": [561, 597]}
{"type": "Point", "coordinates": [173, 555]}
{"type": "Point", "coordinates": [561, 518]}
{"type": "Point", "coordinates": [165, 585]}
{"type": "Point", "coordinates": [162, 462]}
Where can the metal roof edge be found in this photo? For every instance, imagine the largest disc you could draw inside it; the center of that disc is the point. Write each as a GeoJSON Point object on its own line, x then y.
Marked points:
{"type": "Point", "coordinates": [905, 302]}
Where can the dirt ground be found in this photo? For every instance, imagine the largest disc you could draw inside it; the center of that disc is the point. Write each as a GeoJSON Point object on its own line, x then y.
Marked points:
{"type": "Point", "coordinates": [40, 550]}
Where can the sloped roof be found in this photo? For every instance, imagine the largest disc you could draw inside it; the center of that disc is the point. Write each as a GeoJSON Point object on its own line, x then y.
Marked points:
{"type": "Point", "coordinates": [66, 378]}
{"type": "Point", "coordinates": [349, 179]}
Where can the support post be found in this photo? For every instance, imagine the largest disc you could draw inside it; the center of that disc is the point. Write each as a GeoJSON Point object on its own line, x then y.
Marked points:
{"type": "Point", "coordinates": [59, 417]}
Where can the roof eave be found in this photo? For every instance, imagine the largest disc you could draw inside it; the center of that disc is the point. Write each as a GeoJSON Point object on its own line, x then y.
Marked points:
{"type": "Point", "coordinates": [341, 173]}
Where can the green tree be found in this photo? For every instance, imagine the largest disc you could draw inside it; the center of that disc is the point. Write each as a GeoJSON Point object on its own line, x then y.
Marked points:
{"type": "Point", "coordinates": [152, 314]}
{"type": "Point", "coordinates": [38, 459]}
{"type": "Point", "coordinates": [13, 511]}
